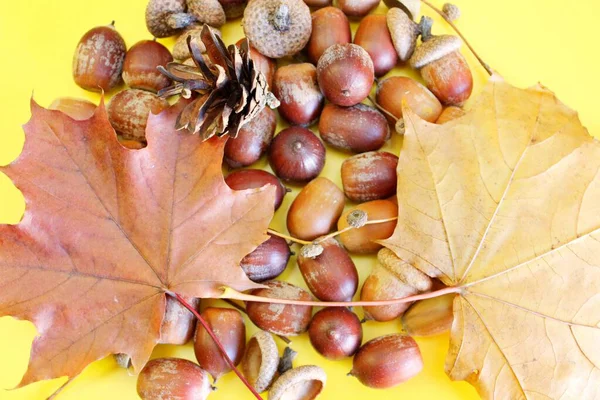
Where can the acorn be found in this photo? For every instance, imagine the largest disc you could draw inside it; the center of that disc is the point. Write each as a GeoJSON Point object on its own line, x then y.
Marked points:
{"type": "Point", "coordinates": [315, 210]}
{"type": "Point", "coordinates": [374, 36]}
{"type": "Point", "coordinates": [412, 8]}
{"type": "Point", "coordinates": [139, 68]}
{"type": "Point", "coordinates": [335, 333]}
{"type": "Point", "coordinates": [268, 260]}
{"type": "Point", "coordinates": [370, 176]}
{"type": "Point", "coordinates": [296, 87]}
{"type": "Point", "coordinates": [280, 319]}
{"type": "Point", "coordinates": [256, 178]}
{"type": "Point", "coordinates": [78, 109]}
{"type": "Point", "coordinates": [178, 323]}
{"type": "Point", "coordinates": [387, 361]}
{"type": "Point", "coordinates": [357, 8]}
{"type": "Point", "coordinates": [345, 73]}
{"type": "Point", "coordinates": [98, 59]}
{"type": "Point", "coordinates": [252, 141]}
{"type": "Point", "coordinates": [296, 155]}
{"type": "Point", "coordinates": [443, 68]}
{"type": "Point", "coordinates": [450, 113]}
{"type": "Point", "coordinates": [277, 28]}
{"type": "Point", "coordinates": [228, 326]}
{"type": "Point", "coordinates": [429, 317]}
{"type": "Point", "coordinates": [301, 383]}
{"type": "Point", "coordinates": [358, 129]}
{"type": "Point", "coordinates": [158, 13]}
{"type": "Point", "coordinates": [332, 275]}
{"type": "Point", "coordinates": [391, 278]}
{"type": "Point", "coordinates": [364, 240]}
{"type": "Point", "coordinates": [329, 26]}
{"type": "Point", "coordinates": [181, 50]}
{"type": "Point", "coordinates": [260, 362]}
{"type": "Point", "coordinates": [403, 31]}
{"type": "Point", "coordinates": [128, 112]}
{"type": "Point", "coordinates": [208, 12]}
{"type": "Point", "coordinates": [173, 378]}
{"type": "Point", "coordinates": [393, 91]}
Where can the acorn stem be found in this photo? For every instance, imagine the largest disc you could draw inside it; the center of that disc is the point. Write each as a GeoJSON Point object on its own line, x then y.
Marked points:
{"type": "Point", "coordinates": [217, 342]}
{"type": "Point", "coordinates": [230, 293]}
{"type": "Point", "coordinates": [350, 227]}
{"type": "Point", "coordinates": [380, 108]}
{"type": "Point", "coordinates": [287, 237]}
{"type": "Point", "coordinates": [242, 309]}
{"type": "Point", "coordinates": [449, 21]}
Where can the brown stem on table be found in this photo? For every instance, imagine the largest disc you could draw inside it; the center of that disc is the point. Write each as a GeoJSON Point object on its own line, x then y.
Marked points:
{"type": "Point", "coordinates": [243, 310]}
{"type": "Point", "coordinates": [449, 21]}
{"type": "Point", "coordinates": [217, 342]}
{"type": "Point", "coordinates": [233, 294]}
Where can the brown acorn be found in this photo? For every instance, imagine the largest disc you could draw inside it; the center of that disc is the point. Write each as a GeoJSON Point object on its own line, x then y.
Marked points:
{"type": "Point", "coordinates": [280, 319]}
{"type": "Point", "coordinates": [98, 59]}
{"type": "Point", "coordinates": [268, 260]}
{"type": "Point", "coordinates": [387, 361]}
{"type": "Point", "coordinates": [173, 378]}
{"type": "Point", "coordinates": [178, 323]}
{"type": "Point", "coordinates": [252, 141]}
{"type": "Point", "coordinates": [141, 60]}
{"type": "Point", "coordinates": [128, 112]}
{"type": "Point", "coordinates": [364, 240]}
{"type": "Point", "coordinates": [296, 87]}
{"type": "Point", "coordinates": [358, 129]}
{"type": "Point", "coordinates": [329, 26]}
{"type": "Point", "coordinates": [443, 68]}
{"type": "Point", "coordinates": [335, 333]}
{"type": "Point", "coordinates": [256, 178]}
{"type": "Point", "coordinates": [450, 113]}
{"type": "Point", "coordinates": [332, 275]}
{"type": "Point", "coordinates": [369, 176]}
{"type": "Point", "coordinates": [374, 36]}
{"type": "Point", "coordinates": [228, 326]}
{"type": "Point", "coordinates": [429, 317]}
{"type": "Point", "coordinates": [315, 210]}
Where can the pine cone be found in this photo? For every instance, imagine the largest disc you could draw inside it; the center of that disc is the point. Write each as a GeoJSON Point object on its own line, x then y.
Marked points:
{"type": "Point", "coordinates": [230, 91]}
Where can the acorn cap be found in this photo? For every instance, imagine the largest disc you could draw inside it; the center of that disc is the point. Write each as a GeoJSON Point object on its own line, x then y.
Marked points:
{"type": "Point", "coordinates": [307, 380]}
{"type": "Point", "coordinates": [404, 32]}
{"type": "Point", "coordinates": [403, 271]}
{"type": "Point", "coordinates": [209, 12]}
{"type": "Point", "coordinates": [410, 7]}
{"type": "Point", "coordinates": [269, 360]}
{"type": "Point", "coordinates": [157, 14]}
{"type": "Point", "coordinates": [434, 49]}
{"type": "Point", "coordinates": [451, 11]}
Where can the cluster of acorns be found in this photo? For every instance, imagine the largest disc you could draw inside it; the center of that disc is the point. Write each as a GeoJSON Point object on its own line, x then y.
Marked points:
{"type": "Point", "coordinates": [342, 72]}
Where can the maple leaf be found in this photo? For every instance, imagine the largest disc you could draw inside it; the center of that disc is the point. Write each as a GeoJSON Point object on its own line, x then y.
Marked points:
{"type": "Point", "coordinates": [108, 232]}
{"type": "Point", "coordinates": [504, 203]}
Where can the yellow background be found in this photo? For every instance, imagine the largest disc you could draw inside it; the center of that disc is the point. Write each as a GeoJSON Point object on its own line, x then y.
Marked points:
{"type": "Point", "coordinates": [550, 41]}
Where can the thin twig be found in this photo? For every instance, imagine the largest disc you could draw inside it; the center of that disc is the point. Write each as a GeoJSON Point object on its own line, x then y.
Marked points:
{"type": "Point", "coordinates": [449, 21]}
{"type": "Point", "coordinates": [243, 310]}
{"type": "Point", "coordinates": [287, 237]}
{"type": "Point", "coordinates": [230, 293]}
{"type": "Point", "coordinates": [349, 228]}
{"type": "Point", "coordinates": [217, 342]}
{"type": "Point", "coordinates": [61, 388]}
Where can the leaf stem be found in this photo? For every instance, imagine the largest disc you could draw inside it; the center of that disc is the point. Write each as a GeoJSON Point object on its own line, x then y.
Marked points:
{"type": "Point", "coordinates": [287, 237]}
{"type": "Point", "coordinates": [449, 21]}
{"type": "Point", "coordinates": [61, 388]}
{"type": "Point", "coordinates": [217, 342]}
{"type": "Point", "coordinates": [242, 309]}
{"type": "Point", "coordinates": [230, 293]}
{"type": "Point", "coordinates": [349, 228]}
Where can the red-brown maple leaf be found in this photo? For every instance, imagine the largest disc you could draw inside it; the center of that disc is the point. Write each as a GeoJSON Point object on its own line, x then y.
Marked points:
{"type": "Point", "coordinates": [107, 232]}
